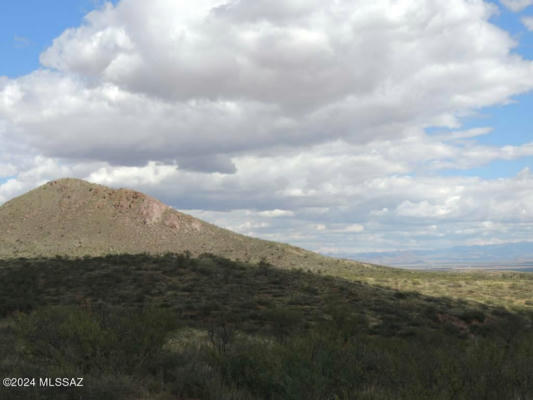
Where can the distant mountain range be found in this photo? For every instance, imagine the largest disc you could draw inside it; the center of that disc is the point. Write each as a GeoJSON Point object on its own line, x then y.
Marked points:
{"type": "Point", "coordinates": [505, 255]}
{"type": "Point", "coordinates": [72, 217]}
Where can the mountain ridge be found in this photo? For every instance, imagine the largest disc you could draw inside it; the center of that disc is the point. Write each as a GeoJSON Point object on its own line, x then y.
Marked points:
{"type": "Point", "coordinates": [506, 254]}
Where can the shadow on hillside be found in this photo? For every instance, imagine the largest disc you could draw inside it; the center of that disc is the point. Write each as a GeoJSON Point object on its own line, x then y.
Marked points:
{"type": "Point", "coordinates": [211, 289]}
{"type": "Point", "coordinates": [176, 327]}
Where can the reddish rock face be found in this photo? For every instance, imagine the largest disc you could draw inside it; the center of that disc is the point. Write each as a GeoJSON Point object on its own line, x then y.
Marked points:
{"type": "Point", "coordinates": [152, 210]}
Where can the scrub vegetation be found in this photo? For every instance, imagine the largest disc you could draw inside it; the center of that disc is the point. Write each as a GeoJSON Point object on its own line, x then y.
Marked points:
{"type": "Point", "coordinates": [175, 326]}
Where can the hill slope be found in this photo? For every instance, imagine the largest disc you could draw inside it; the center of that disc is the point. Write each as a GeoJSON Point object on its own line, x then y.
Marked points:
{"type": "Point", "coordinates": [76, 218]}
{"type": "Point", "coordinates": [177, 327]}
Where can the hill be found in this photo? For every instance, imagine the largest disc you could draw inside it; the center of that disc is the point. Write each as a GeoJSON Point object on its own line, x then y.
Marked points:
{"type": "Point", "coordinates": [72, 217]}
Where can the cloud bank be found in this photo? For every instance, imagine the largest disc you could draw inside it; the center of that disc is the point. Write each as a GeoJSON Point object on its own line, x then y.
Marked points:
{"type": "Point", "coordinates": [278, 117]}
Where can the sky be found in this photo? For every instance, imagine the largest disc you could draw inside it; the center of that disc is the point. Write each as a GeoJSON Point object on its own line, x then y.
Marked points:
{"type": "Point", "coordinates": [341, 127]}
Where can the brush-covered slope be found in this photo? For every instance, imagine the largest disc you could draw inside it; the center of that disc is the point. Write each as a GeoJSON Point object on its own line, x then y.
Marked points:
{"type": "Point", "coordinates": [76, 218]}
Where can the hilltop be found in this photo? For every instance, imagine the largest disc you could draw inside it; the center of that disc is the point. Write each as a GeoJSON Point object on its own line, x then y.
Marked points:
{"type": "Point", "coordinates": [72, 217]}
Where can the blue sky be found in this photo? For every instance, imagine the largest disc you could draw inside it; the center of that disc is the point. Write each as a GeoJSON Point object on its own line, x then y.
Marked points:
{"type": "Point", "coordinates": [511, 123]}
{"type": "Point", "coordinates": [28, 27]}
{"type": "Point", "coordinates": [202, 106]}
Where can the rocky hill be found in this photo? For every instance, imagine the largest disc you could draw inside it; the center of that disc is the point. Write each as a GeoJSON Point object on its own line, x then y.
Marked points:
{"type": "Point", "coordinates": [75, 218]}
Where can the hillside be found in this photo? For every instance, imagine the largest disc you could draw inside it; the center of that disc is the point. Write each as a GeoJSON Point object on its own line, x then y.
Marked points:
{"type": "Point", "coordinates": [176, 327]}
{"type": "Point", "coordinates": [72, 217]}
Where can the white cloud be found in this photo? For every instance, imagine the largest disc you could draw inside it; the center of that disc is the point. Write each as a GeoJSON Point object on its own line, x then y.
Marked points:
{"type": "Point", "coordinates": [466, 134]}
{"type": "Point", "coordinates": [528, 23]}
{"type": "Point", "coordinates": [151, 174]}
{"type": "Point", "coordinates": [424, 209]}
{"type": "Point", "coordinates": [276, 213]}
{"type": "Point", "coordinates": [10, 189]}
{"type": "Point", "coordinates": [516, 5]}
{"type": "Point", "coordinates": [215, 78]}
{"type": "Point", "coordinates": [7, 170]}
{"type": "Point", "coordinates": [353, 228]}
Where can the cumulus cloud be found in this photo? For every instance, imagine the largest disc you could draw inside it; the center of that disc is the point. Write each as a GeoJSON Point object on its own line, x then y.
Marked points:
{"type": "Point", "coordinates": [196, 83]}
{"type": "Point", "coordinates": [516, 5]}
{"type": "Point", "coordinates": [299, 121]}
{"type": "Point", "coordinates": [528, 23]}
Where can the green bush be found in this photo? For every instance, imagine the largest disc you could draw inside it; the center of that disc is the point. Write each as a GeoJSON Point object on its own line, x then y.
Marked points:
{"type": "Point", "coordinates": [94, 340]}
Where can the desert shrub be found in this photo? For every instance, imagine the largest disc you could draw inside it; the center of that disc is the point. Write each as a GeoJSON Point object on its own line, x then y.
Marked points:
{"type": "Point", "coordinates": [282, 321]}
{"type": "Point", "coordinates": [221, 335]}
{"type": "Point", "coordinates": [12, 298]}
{"type": "Point", "coordinates": [94, 340]}
{"type": "Point", "coordinates": [344, 322]}
{"type": "Point", "coordinates": [472, 315]}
